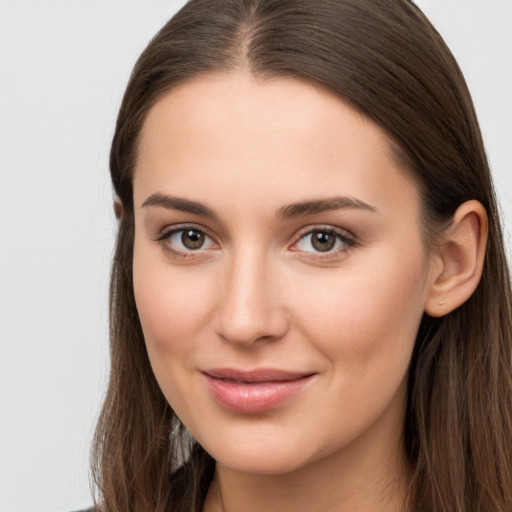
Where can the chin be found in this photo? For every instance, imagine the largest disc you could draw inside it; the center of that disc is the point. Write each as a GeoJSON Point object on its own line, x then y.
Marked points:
{"type": "Point", "coordinates": [267, 456]}
{"type": "Point", "coordinates": [262, 463]}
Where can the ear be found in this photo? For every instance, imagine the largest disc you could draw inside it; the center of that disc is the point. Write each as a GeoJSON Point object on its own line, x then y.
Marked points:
{"type": "Point", "coordinates": [459, 260]}
{"type": "Point", "coordinates": [118, 208]}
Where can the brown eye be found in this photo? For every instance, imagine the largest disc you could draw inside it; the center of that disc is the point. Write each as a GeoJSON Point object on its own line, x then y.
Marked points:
{"type": "Point", "coordinates": [323, 241]}
{"type": "Point", "coordinates": [187, 241]}
{"type": "Point", "coordinates": [192, 239]}
{"type": "Point", "coordinates": [326, 241]}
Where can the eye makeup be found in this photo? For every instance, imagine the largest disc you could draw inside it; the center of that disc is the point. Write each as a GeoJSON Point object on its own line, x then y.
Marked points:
{"type": "Point", "coordinates": [188, 241]}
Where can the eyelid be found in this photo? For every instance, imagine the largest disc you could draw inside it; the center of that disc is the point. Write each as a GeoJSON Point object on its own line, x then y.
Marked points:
{"type": "Point", "coordinates": [174, 228]}
{"type": "Point", "coordinates": [324, 227]}
{"type": "Point", "coordinates": [165, 234]}
{"type": "Point", "coordinates": [348, 238]}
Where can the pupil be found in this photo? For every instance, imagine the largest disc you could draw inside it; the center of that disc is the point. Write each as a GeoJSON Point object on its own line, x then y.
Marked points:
{"type": "Point", "coordinates": [192, 239]}
{"type": "Point", "coordinates": [323, 241]}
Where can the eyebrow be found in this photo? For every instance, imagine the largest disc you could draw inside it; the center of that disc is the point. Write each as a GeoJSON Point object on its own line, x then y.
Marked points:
{"type": "Point", "coordinates": [323, 205]}
{"type": "Point", "coordinates": [178, 203]}
{"type": "Point", "coordinates": [293, 210]}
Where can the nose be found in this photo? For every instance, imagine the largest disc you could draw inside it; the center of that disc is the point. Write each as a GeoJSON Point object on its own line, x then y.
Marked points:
{"type": "Point", "coordinates": [250, 308]}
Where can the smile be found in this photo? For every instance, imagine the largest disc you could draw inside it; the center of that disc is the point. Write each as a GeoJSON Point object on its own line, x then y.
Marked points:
{"type": "Point", "coordinates": [254, 391]}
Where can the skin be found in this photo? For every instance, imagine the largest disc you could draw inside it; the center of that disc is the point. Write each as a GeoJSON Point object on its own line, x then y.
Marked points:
{"type": "Point", "coordinates": [258, 294]}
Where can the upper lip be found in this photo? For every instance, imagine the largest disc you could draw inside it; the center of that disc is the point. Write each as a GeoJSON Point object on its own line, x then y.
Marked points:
{"type": "Point", "coordinates": [258, 375]}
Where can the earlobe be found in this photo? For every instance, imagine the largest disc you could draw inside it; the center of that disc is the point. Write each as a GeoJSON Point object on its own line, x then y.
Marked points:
{"type": "Point", "coordinates": [459, 260]}
{"type": "Point", "coordinates": [118, 208]}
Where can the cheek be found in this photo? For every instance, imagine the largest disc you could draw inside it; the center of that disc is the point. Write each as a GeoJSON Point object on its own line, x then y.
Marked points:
{"type": "Point", "coordinates": [173, 309]}
{"type": "Point", "coordinates": [370, 313]}
{"type": "Point", "coordinates": [172, 303]}
{"type": "Point", "coordinates": [364, 323]}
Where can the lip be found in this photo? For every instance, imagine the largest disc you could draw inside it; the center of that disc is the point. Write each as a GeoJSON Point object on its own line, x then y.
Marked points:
{"type": "Point", "coordinates": [256, 390]}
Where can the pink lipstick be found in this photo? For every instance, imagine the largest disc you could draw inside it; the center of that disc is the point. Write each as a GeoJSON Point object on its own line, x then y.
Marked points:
{"type": "Point", "coordinates": [254, 391]}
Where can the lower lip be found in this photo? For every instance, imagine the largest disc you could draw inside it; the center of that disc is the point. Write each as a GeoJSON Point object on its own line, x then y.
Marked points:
{"type": "Point", "coordinates": [254, 397]}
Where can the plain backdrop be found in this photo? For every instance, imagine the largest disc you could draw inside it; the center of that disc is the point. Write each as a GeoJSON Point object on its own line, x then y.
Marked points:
{"type": "Point", "coordinates": [63, 67]}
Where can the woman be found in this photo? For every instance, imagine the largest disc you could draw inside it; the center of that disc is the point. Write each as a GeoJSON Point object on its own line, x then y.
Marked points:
{"type": "Point", "coordinates": [310, 302]}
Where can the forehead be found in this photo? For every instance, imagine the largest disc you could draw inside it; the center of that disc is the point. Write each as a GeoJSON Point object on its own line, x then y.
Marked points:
{"type": "Point", "coordinates": [283, 139]}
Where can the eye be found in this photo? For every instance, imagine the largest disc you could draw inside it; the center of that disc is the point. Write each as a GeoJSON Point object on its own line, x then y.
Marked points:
{"type": "Point", "coordinates": [324, 240]}
{"type": "Point", "coordinates": [188, 239]}
{"type": "Point", "coordinates": [185, 240]}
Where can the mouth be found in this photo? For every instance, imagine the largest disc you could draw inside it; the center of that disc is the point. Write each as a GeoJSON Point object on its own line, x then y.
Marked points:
{"type": "Point", "coordinates": [254, 391]}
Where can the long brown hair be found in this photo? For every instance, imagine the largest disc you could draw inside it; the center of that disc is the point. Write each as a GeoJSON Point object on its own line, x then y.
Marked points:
{"type": "Point", "coordinates": [385, 59]}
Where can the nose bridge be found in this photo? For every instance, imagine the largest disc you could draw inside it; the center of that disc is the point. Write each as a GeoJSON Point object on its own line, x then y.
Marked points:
{"type": "Point", "coordinates": [249, 304]}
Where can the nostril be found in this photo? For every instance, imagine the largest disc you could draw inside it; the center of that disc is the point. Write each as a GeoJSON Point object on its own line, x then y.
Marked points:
{"type": "Point", "coordinates": [250, 306]}
{"type": "Point", "coordinates": [251, 328]}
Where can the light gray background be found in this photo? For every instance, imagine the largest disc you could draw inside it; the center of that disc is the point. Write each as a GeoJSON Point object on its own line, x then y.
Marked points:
{"type": "Point", "coordinates": [63, 68]}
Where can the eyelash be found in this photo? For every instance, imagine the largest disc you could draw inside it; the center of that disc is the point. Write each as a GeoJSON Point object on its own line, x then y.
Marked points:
{"type": "Point", "coordinates": [164, 240]}
{"type": "Point", "coordinates": [346, 238]}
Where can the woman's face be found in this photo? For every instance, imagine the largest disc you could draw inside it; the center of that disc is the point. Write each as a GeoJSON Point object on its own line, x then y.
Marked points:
{"type": "Point", "coordinates": [279, 271]}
